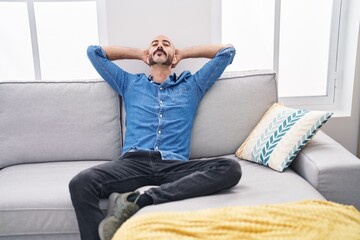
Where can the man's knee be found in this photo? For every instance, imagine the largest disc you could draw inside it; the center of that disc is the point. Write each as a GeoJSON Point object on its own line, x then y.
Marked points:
{"type": "Point", "coordinates": [78, 183]}
{"type": "Point", "coordinates": [233, 172]}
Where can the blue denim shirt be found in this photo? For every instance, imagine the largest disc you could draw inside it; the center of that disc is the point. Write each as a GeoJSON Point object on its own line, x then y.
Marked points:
{"type": "Point", "coordinates": [160, 116]}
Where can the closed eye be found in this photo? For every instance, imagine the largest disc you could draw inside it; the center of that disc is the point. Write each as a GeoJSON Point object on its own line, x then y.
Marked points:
{"type": "Point", "coordinates": [154, 43]}
{"type": "Point", "coordinates": [166, 43]}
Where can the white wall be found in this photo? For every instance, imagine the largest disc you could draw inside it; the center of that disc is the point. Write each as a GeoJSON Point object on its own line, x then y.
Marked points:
{"type": "Point", "coordinates": [134, 23]}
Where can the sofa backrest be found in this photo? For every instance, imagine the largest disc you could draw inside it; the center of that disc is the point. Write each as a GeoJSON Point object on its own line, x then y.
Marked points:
{"type": "Point", "coordinates": [58, 121]}
{"type": "Point", "coordinates": [230, 111]}
{"type": "Point", "coordinates": [68, 121]}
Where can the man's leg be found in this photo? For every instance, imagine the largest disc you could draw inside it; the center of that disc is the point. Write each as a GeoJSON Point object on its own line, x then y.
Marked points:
{"type": "Point", "coordinates": [186, 179]}
{"type": "Point", "coordinates": [132, 171]}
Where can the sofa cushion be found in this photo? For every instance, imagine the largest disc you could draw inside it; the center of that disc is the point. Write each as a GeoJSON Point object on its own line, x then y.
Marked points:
{"type": "Point", "coordinates": [258, 185]}
{"type": "Point", "coordinates": [58, 121]}
{"type": "Point", "coordinates": [230, 111]}
{"type": "Point", "coordinates": [280, 135]}
{"type": "Point", "coordinates": [35, 199]}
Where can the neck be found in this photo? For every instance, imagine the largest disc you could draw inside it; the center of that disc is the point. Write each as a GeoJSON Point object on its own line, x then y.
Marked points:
{"type": "Point", "coordinates": [160, 72]}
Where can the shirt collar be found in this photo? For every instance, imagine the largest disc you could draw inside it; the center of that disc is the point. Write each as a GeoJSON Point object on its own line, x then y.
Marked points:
{"type": "Point", "coordinates": [173, 78]}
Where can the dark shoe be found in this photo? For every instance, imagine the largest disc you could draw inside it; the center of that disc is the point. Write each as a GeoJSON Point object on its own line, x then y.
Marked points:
{"type": "Point", "coordinates": [119, 210]}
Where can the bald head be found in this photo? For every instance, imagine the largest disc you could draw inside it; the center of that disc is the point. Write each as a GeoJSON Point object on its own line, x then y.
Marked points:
{"type": "Point", "coordinates": [163, 38]}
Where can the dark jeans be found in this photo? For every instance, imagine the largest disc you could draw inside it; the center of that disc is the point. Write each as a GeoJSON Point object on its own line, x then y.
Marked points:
{"type": "Point", "coordinates": [176, 180]}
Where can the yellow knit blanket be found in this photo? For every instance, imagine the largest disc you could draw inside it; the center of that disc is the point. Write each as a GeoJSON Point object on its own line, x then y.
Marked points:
{"type": "Point", "coordinates": [311, 219]}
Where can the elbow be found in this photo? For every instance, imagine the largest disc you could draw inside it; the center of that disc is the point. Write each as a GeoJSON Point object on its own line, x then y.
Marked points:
{"type": "Point", "coordinates": [228, 49]}
{"type": "Point", "coordinates": [91, 50]}
{"type": "Point", "coordinates": [94, 51]}
{"type": "Point", "coordinates": [228, 45]}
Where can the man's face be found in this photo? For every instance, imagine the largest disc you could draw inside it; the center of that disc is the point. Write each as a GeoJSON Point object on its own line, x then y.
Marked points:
{"type": "Point", "coordinates": [161, 51]}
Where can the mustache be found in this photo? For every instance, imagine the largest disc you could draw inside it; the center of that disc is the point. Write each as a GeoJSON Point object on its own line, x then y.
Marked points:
{"type": "Point", "coordinates": [159, 51]}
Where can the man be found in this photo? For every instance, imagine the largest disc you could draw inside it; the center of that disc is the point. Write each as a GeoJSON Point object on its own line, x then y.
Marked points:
{"type": "Point", "coordinates": [160, 110]}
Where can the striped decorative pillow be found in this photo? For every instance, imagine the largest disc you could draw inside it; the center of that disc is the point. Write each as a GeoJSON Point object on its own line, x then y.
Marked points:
{"type": "Point", "coordinates": [280, 135]}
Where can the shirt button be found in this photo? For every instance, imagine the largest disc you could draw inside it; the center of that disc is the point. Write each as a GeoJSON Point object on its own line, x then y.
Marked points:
{"type": "Point", "coordinates": [161, 102]}
{"type": "Point", "coordinates": [161, 89]}
{"type": "Point", "coordinates": [156, 148]}
{"type": "Point", "coordinates": [159, 131]}
{"type": "Point", "coordinates": [160, 115]}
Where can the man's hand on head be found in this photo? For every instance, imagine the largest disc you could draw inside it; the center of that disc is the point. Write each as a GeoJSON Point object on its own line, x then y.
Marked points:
{"type": "Point", "coordinates": [145, 56]}
{"type": "Point", "coordinates": [178, 57]}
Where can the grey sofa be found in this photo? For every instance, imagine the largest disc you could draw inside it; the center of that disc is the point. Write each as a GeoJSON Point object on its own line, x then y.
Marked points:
{"type": "Point", "coordinates": [49, 131]}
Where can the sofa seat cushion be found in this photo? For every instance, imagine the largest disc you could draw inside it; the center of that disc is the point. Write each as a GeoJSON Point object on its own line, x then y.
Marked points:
{"type": "Point", "coordinates": [35, 199]}
{"type": "Point", "coordinates": [258, 185]}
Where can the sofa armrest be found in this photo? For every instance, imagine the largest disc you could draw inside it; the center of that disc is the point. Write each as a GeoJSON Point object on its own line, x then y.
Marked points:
{"type": "Point", "coordinates": [331, 169]}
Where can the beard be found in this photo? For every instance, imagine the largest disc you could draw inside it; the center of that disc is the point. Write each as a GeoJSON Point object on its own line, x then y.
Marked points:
{"type": "Point", "coordinates": [168, 61]}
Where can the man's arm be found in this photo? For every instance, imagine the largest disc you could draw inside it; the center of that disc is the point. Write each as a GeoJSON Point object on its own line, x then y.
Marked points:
{"type": "Point", "coordinates": [119, 52]}
{"type": "Point", "coordinates": [203, 51]}
{"type": "Point", "coordinates": [102, 60]}
{"type": "Point", "coordinates": [221, 56]}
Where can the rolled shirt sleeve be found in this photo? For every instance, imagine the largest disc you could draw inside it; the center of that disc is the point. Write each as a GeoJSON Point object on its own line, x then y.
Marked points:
{"type": "Point", "coordinates": [213, 69]}
{"type": "Point", "coordinates": [109, 71]}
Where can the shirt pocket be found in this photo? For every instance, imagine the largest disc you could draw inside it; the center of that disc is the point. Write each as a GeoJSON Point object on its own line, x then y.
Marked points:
{"type": "Point", "coordinates": [180, 94]}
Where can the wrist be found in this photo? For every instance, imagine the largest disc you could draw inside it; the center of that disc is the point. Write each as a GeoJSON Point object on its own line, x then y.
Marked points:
{"type": "Point", "coordinates": [179, 53]}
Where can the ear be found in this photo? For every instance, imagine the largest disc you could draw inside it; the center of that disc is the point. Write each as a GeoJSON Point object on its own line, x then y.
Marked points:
{"type": "Point", "coordinates": [174, 62]}
{"type": "Point", "coordinates": [147, 61]}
